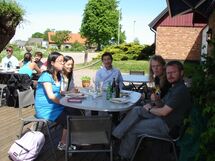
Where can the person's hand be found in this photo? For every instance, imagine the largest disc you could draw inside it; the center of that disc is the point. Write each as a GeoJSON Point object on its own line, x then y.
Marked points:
{"type": "Point", "coordinates": [147, 107]}
{"type": "Point", "coordinates": [143, 96]}
{"type": "Point", "coordinates": [154, 97]}
{"type": "Point", "coordinates": [63, 93]}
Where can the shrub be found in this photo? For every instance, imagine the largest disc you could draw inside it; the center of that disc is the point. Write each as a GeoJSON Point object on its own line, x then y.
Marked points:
{"type": "Point", "coordinates": [130, 51]}
{"type": "Point", "coordinates": [76, 46]}
{"type": "Point", "coordinates": [203, 91]}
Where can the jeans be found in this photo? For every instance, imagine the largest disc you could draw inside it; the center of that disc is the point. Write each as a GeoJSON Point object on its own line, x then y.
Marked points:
{"type": "Point", "coordinates": [138, 121]}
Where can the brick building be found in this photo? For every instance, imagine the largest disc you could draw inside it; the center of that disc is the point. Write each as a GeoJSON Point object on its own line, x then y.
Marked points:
{"type": "Point", "coordinates": [73, 38]}
{"type": "Point", "coordinates": [178, 37]}
{"type": "Point", "coordinates": [203, 12]}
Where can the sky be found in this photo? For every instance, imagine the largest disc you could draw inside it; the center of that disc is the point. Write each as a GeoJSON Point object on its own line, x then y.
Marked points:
{"type": "Point", "coordinates": [67, 15]}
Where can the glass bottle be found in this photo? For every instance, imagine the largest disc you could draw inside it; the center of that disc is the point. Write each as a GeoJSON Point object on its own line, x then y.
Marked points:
{"type": "Point", "coordinates": [157, 90]}
{"type": "Point", "coordinates": [117, 94]}
{"type": "Point", "coordinates": [108, 92]}
{"type": "Point", "coordinates": [113, 87]}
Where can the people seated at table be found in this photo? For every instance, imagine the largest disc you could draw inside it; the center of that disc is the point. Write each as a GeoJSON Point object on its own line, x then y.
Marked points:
{"type": "Point", "coordinates": [157, 76]}
{"type": "Point", "coordinates": [67, 73]}
{"type": "Point", "coordinates": [156, 120]}
{"type": "Point", "coordinates": [10, 61]}
{"type": "Point", "coordinates": [27, 66]}
{"type": "Point", "coordinates": [37, 58]}
{"type": "Point", "coordinates": [47, 98]}
{"type": "Point", "coordinates": [107, 73]}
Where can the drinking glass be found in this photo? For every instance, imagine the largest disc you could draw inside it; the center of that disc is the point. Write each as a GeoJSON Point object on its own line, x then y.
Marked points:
{"type": "Point", "coordinates": [98, 87]}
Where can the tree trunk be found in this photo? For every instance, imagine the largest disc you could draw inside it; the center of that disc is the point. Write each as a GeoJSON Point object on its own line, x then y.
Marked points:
{"type": "Point", "coordinates": [98, 47]}
{"type": "Point", "coordinates": [5, 37]}
{"type": "Point", "coordinates": [7, 30]}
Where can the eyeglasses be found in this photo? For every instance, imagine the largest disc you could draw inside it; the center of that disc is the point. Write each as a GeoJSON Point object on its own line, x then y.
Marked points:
{"type": "Point", "coordinates": [8, 50]}
{"type": "Point", "coordinates": [60, 62]}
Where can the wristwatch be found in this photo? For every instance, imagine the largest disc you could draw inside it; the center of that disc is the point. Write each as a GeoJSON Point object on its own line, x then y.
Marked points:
{"type": "Point", "coordinates": [149, 110]}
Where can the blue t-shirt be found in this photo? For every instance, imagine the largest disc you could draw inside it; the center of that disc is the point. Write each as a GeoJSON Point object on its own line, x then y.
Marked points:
{"type": "Point", "coordinates": [44, 107]}
{"type": "Point", "coordinates": [25, 69]}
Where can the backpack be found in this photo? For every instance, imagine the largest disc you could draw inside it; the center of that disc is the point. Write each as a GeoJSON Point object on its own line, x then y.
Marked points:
{"type": "Point", "coordinates": [27, 147]}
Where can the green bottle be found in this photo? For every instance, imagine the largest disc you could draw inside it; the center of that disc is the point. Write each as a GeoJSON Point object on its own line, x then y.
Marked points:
{"type": "Point", "coordinates": [108, 92]}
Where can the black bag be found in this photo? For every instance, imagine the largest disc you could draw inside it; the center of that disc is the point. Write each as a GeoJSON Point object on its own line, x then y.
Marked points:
{"type": "Point", "coordinates": [16, 81]}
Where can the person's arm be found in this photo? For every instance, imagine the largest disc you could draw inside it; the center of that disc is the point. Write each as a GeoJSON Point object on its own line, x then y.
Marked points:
{"type": "Point", "coordinates": [72, 85]}
{"type": "Point", "coordinates": [20, 63]}
{"type": "Point", "coordinates": [158, 111]}
{"type": "Point", "coordinates": [35, 67]}
{"type": "Point", "coordinates": [49, 92]}
{"type": "Point", "coordinates": [16, 62]}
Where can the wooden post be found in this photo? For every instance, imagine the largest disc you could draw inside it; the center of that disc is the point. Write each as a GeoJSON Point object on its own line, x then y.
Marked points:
{"type": "Point", "coordinates": [85, 56]}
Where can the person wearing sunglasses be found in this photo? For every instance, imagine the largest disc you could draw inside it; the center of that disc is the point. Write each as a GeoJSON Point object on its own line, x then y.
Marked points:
{"type": "Point", "coordinates": [10, 61]}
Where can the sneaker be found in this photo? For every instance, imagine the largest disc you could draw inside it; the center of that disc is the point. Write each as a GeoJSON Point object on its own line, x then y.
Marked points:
{"type": "Point", "coordinates": [61, 146]}
{"type": "Point", "coordinates": [72, 147]}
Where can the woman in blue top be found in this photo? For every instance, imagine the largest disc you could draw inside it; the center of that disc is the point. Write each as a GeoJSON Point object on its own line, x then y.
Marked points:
{"type": "Point", "coordinates": [28, 66]}
{"type": "Point", "coordinates": [47, 99]}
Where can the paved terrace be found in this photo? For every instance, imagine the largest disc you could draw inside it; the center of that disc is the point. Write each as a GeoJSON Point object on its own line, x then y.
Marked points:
{"type": "Point", "coordinates": [9, 128]}
{"type": "Point", "coordinates": [10, 125]}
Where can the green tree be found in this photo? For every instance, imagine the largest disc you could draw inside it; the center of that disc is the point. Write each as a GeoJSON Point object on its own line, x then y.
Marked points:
{"type": "Point", "coordinates": [11, 15]}
{"type": "Point", "coordinates": [122, 37]}
{"type": "Point", "coordinates": [100, 22]}
{"type": "Point", "coordinates": [60, 37]}
{"type": "Point", "coordinates": [45, 34]}
{"type": "Point", "coordinates": [37, 35]}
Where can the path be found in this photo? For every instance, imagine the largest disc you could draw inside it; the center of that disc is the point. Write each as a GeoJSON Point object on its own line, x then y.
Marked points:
{"type": "Point", "coordinates": [79, 56]}
{"type": "Point", "coordinates": [78, 59]}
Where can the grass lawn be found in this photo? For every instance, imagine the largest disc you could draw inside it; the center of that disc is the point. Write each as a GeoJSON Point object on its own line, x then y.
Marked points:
{"type": "Point", "coordinates": [190, 68]}
{"type": "Point", "coordinates": [123, 66]}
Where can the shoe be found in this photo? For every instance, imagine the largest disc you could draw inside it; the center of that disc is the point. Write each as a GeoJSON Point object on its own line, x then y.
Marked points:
{"type": "Point", "coordinates": [61, 146]}
{"type": "Point", "coordinates": [119, 158]}
{"type": "Point", "coordinates": [72, 147]}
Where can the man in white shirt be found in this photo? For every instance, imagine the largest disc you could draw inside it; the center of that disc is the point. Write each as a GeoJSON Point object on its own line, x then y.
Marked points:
{"type": "Point", "coordinates": [10, 61]}
{"type": "Point", "coordinates": [107, 73]}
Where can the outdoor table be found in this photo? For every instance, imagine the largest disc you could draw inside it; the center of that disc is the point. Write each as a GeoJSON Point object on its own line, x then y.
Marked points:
{"type": "Point", "coordinates": [101, 104]}
{"type": "Point", "coordinates": [6, 75]}
{"type": "Point", "coordinates": [132, 79]}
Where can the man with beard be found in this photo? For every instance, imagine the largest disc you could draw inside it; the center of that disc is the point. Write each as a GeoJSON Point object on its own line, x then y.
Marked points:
{"type": "Point", "coordinates": [153, 119]}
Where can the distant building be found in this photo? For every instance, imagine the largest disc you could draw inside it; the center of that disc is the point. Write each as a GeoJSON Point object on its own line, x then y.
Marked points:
{"type": "Point", "coordinates": [34, 42]}
{"type": "Point", "coordinates": [20, 43]}
{"type": "Point", "coordinates": [73, 37]}
{"type": "Point", "coordinates": [178, 37]}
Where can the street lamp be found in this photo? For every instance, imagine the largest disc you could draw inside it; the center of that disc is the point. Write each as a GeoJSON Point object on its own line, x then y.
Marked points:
{"type": "Point", "coordinates": [119, 26]}
{"type": "Point", "coordinates": [134, 29]}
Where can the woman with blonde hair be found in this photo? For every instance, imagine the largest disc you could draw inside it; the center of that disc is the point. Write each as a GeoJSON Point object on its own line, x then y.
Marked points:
{"type": "Point", "coordinates": [157, 73]}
